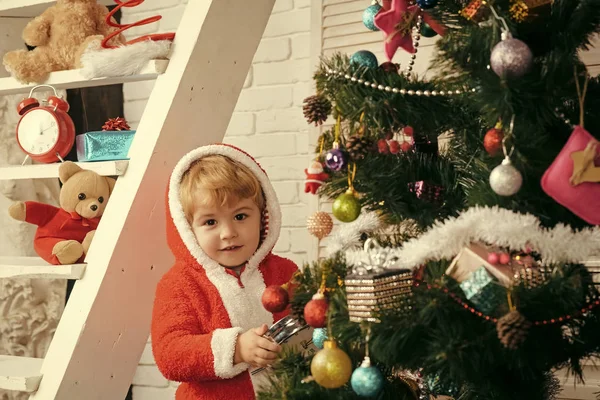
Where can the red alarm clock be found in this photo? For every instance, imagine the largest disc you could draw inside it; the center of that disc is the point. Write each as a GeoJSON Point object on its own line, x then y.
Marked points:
{"type": "Point", "coordinates": [46, 133]}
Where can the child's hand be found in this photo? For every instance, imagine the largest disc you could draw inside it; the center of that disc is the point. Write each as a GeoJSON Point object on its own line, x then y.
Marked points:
{"type": "Point", "coordinates": [254, 349]}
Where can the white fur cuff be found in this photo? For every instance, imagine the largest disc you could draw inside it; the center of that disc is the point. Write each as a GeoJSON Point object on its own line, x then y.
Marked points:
{"type": "Point", "coordinates": [223, 347]}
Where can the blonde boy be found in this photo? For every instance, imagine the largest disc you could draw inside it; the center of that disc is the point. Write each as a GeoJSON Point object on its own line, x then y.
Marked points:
{"type": "Point", "coordinates": [208, 320]}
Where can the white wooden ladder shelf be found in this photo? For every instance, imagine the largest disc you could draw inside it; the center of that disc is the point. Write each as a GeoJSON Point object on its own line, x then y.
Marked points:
{"type": "Point", "coordinates": [105, 325]}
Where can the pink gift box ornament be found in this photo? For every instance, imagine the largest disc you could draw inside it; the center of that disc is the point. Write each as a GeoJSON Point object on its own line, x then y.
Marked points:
{"type": "Point", "coordinates": [573, 179]}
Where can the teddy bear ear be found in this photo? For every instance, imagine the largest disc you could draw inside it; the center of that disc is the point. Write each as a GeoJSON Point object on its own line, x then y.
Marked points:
{"type": "Point", "coordinates": [111, 185]}
{"type": "Point", "coordinates": [67, 170]}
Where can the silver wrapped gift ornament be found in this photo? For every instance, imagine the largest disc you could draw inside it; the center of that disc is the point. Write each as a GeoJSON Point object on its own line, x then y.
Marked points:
{"type": "Point", "coordinates": [372, 287]}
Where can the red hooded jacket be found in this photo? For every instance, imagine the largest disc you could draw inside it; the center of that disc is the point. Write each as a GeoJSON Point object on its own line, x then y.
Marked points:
{"type": "Point", "coordinates": [201, 307]}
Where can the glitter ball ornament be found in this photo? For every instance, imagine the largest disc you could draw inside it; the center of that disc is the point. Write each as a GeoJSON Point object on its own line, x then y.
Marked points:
{"type": "Point", "coordinates": [425, 4]}
{"type": "Point", "coordinates": [335, 159]}
{"type": "Point", "coordinates": [319, 224]}
{"type": "Point", "coordinates": [364, 58]}
{"type": "Point", "coordinates": [369, 16]}
{"type": "Point", "coordinates": [319, 337]}
{"type": "Point", "coordinates": [511, 58]}
{"type": "Point", "coordinates": [427, 31]}
{"type": "Point", "coordinates": [315, 311]}
{"type": "Point", "coordinates": [366, 380]}
{"type": "Point", "coordinates": [492, 142]}
{"type": "Point", "coordinates": [346, 208]}
{"type": "Point", "coordinates": [275, 298]}
{"type": "Point", "coordinates": [331, 367]}
{"type": "Point", "coordinates": [505, 179]}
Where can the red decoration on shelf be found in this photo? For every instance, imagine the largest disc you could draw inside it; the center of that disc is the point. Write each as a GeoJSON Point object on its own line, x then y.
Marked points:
{"type": "Point", "coordinates": [275, 298]}
{"type": "Point", "coordinates": [315, 311]}
{"type": "Point", "coordinates": [116, 124]}
{"type": "Point", "coordinates": [123, 27]}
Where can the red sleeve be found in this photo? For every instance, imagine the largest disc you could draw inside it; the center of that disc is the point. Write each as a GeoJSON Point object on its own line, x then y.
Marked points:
{"type": "Point", "coordinates": [39, 213]}
{"type": "Point", "coordinates": [184, 351]}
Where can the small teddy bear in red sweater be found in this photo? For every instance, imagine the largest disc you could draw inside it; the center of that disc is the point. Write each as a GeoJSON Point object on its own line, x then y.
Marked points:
{"type": "Point", "coordinates": [64, 234]}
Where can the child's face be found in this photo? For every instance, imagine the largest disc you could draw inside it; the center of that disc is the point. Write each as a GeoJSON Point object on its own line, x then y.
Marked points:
{"type": "Point", "coordinates": [228, 234]}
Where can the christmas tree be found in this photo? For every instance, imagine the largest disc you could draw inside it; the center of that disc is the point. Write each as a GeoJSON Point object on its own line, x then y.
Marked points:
{"type": "Point", "coordinates": [458, 268]}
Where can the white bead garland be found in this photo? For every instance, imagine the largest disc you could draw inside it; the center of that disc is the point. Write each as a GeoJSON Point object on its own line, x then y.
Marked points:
{"type": "Point", "coordinates": [409, 92]}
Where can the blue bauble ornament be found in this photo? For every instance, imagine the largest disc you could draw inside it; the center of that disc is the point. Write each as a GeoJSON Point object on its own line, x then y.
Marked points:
{"type": "Point", "coordinates": [319, 336]}
{"type": "Point", "coordinates": [425, 4]}
{"type": "Point", "coordinates": [335, 159]}
{"type": "Point", "coordinates": [364, 58]}
{"type": "Point", "coordinates": [366, 380]}
{"type": "Point", "coordinates": [427, 30]}
{"type": "Point", "coordinates": [369, 16]}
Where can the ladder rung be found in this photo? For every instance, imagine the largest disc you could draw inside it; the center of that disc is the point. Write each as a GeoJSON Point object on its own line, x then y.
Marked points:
{"type": "Point", "coordinates": [72, 79]}
{"type": "Point", "coordinates": [36, 268]}
{"type": "Point", "coordinates": [30, 8]}
{"type": "Point", "coordinates": [38, 171]}
{"type": "Point", "coordinates": [20, 373]}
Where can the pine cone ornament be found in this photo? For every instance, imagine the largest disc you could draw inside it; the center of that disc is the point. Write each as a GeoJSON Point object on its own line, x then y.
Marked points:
{"type": "Point", "coordinates": [512, 329]}
{"type": "Point", "coordinates": [116, 124]}
{"type": "Point", "coordinates": [316, 109]}
{"type": "Point", "coordinates": [358, 147]}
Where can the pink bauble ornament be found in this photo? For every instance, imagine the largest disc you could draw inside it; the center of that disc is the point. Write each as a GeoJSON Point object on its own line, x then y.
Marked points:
{"type": "Point", "coordinates": [504, 259]}
{"type": "Point", "coordinates": [493, 258]}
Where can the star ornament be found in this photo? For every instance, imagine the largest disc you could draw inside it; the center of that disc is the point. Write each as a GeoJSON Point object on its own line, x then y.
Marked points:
{"type": "Point", "coordinates": [397, 24]}
{"type": "Point", "coordinates": [584, 168]}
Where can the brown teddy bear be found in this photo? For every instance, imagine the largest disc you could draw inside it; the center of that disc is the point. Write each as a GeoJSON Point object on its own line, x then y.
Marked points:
{"type": "Point", "coordinates": [59, 35]}
{"type": "Point", "coordinates": [64, 234]}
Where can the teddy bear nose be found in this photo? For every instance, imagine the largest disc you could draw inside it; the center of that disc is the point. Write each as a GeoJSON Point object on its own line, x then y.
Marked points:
{"type": "Point", "coordinates": [94, 207]}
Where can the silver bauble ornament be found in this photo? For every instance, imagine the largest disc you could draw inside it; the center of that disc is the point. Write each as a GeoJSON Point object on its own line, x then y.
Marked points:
{"type": "Point", "coordinates": [511, 58]}
{"type": "Point", "coordinates": [505, 179]}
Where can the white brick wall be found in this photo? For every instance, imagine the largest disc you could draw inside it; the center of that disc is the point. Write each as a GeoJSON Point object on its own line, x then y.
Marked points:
{"type": "Point", "coordinates": [267, 122]}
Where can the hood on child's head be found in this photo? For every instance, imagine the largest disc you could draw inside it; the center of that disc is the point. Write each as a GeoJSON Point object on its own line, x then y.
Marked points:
{"type": "Point", "coordinates": [180, 236]}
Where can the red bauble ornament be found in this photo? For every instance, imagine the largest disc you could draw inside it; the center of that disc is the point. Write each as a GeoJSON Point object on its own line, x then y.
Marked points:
{"type": "Point", "coordinates": [275, 298]}
{"type": "Point", "coordinates": [389, 67]}
{"type": "Point", "coordinates": [406, 146]}
{"type": "Point", "coordinates": [408, 130]}
{"type": "Point", "coordinates": [493, 140]}
{"type": "Point", "coordinates": [504, 258]}
{"type": "Point", "coordinates": [493, 258]}
{"type": "Point", "coordinates": [315, 311]}
{"type": "Point", "coordinates": [394, 147]}
{"type": "Point", "coordinates": [382, 146]}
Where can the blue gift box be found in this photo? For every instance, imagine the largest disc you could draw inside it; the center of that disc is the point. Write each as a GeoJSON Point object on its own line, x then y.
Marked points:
{"type": "Point", "coordinates": [483, 290]}
{"type": "Point", "coordinates": [104, 145]}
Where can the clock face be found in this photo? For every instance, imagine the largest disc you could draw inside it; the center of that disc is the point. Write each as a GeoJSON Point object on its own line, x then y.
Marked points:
{"type": "Point", "coordinates": [38, 131]}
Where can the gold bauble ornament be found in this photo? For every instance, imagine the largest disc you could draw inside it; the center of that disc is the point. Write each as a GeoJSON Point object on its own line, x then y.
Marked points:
{"type": "Point", "coordinates": [319, 224]}
{"type": "Point", "coordinates": [346, 207]}
{"type": "Point", "coordinates": [331, 367]}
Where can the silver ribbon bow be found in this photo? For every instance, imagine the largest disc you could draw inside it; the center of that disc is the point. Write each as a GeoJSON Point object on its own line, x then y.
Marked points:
{"type": "Point", "coordinates": [374, 259]}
